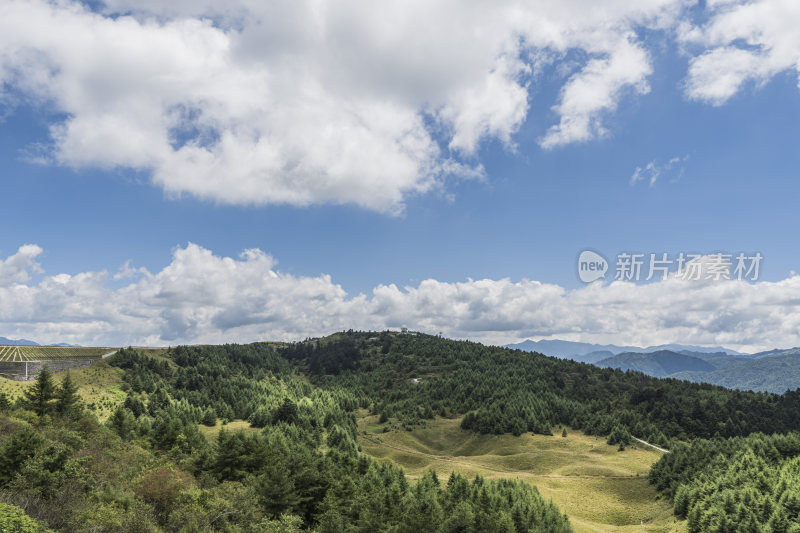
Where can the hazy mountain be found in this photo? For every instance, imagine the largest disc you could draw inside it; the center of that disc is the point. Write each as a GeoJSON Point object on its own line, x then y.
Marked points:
{"type": "Point", "coordinates": [724, 360]}
{"type": "Point", "coordinates": [559, 348]}
{"type": "Point", "coordinates": [777, 353]}
{"type": "Point", "coordinates": [692, 350]}
{"type": "Point", "coordinates": [592, 353]}
{"type": "Point", "coordinates": [659, 364]}
{"type": "Point", "coordinates": [773, 371]}
{"type": "Point", "coordinates": [25, 342]}
{"type": "Point", "coordinates": [18, 342]}
{"type": "Point", "coordinates": [594, 357]}
{"type": "Point", "coordinates": [770, 371]}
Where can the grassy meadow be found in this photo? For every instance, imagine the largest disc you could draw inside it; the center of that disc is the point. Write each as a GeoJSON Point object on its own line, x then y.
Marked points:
{"type": "Point", "coordinates": [600, 488]}
{"type": "Point", "coordinates": [212, 432]}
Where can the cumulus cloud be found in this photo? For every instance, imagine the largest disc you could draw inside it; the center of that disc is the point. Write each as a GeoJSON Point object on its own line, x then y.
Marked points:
{"type": "Point", "coordinates": [17, 268]}
{"type": "Point", "coordinates": [744, 41]}
{"type": "Point", "coordinates": [307, 102]}
{"type": "Point", "coordinates": [596, 89]}
{"type": "Point", "coordinates": [200, 297]}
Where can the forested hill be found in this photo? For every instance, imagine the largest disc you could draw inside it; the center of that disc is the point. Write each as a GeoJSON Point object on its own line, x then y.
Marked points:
{"type": "Point", "coordinates": [511, 391]}
{"type": "Point", "coordinates": [295, 467]}
{"type": "Point", "coordinates": [298, 466]}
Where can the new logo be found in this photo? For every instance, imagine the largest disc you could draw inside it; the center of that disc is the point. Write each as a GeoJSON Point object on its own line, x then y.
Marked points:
{"type": "Point", "coordinates": [591, 266]}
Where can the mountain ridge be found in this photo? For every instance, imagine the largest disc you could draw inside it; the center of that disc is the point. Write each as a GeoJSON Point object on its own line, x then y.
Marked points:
{"type": "Point", "coordinates": [589, 353]}
{"type": "Point", "coordinates": [660, 364]}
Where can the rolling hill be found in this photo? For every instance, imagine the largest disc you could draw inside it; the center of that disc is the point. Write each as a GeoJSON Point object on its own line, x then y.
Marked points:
{"type": "Point", "coordinates": [319, 434]}
{"type": "Point", "coordinates": [658, 364]}
{"type": "Point", "coordinates": [777, 372]}
{"type": "Point", "coordinates": [772, 371]}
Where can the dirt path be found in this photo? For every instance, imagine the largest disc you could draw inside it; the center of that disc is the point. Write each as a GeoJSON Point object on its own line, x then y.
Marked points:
{"type": "Point", "coordinates": [651, 445]}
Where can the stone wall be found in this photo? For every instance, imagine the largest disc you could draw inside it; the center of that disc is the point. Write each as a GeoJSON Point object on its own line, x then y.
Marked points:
{"type": "Point", "coordinates": [16, 369]}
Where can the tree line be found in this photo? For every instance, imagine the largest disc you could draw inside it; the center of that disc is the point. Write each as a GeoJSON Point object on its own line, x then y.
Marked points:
{"type": "Point", "coordinates": [510, 391]}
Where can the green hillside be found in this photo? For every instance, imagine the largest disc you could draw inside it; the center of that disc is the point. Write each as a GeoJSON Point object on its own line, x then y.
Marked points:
{"type": "Point", "coordinates": [599, 487]}
{"type": "Point", "coordinates": [339, 434]}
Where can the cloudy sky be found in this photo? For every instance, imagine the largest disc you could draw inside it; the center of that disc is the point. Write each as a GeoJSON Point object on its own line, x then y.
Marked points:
{"type": "Point", "coordinates": [205, 171]}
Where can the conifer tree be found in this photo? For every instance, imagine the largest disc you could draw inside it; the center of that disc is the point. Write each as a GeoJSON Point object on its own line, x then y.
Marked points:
{"type": "Point", "coordinates": [40, 396]}
{"type": "Point", "coordinates": [66, 397]}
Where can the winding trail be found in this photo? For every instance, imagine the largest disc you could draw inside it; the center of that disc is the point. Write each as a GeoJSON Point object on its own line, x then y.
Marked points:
{"type": "Point", "coordinates": [651, 445]}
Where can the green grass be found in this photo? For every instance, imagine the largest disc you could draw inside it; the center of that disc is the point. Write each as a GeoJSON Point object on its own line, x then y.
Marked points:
{"type": "Point", "coordinates": [98, 386]}
{"type": "Point", "coordinates": [600, 488]}
{"type": "Point", "coordinates": [211, 433]}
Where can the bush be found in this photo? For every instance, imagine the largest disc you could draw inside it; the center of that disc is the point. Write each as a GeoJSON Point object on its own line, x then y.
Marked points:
{"type": "Point", "coordinates": [14, 520]}
{"type": "Point", "coordinates": [162, 487]}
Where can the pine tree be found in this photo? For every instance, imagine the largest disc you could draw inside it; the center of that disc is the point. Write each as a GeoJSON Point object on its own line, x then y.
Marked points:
{"type": "Point", "coordinates": [5, 403]}
{"type": "Point", "coordinates": [123, 422]}
{"type": "Point", "coordinates": [66, 397]}
{"type": "Point", "coordinates": [564, 432]}
{"type": "Point", "coordinates": [287, 412]}
{"type": "Point", "coordinates": [43, 391]}
{"type": "Point", "coordinates": [16, 450]}
{"type": "Point", "coordinates": [276, 489]}
{"type": "Point", "coordinates": [209, 417]}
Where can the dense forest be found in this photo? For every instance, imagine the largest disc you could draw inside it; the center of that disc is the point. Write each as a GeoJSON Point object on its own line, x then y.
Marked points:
{"type": "Point", "coordinates": [149, 468]}
{"type": "Point", "coordinates": [511, 391]}
{"type": "Point", "coordinates": [742, 484]}
{"type": "Point", "coordinates": [298, 466]}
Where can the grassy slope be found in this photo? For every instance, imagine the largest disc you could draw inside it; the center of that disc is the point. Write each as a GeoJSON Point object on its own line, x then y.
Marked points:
{"type": "Point", "coordinates": [598, 487]}
{"type": "Point", "coordinates": [98, 385]}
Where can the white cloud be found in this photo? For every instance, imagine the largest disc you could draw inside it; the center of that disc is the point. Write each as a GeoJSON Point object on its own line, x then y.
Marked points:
{"type": "Point", "coordinates": [595, 90]}
{"type": "Point", "coordinates": [745, 41]}
{"type": "Point", "coordinates": [310, 102]}
{"type": "Point", "coordinates": [17, 268]}
{"type": "Point", "coordinates": [200, 297]}
{"type": "Point", "coordinates": [652, 171]}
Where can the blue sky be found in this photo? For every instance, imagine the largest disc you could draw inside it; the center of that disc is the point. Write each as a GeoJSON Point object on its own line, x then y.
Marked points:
{"type": "Point", "coordinates": [92, 205]}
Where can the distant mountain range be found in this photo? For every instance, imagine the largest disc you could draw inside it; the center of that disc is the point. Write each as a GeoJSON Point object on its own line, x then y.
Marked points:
{"type": "Point", "coordinates": [660, 364]}
{"type": "Point", "coordinates": [771, 371]}
{"type": "Point", "coordinates": [25, 342]}
{"type": "Point", "coordinates": [592, 353]}
{"type": "Point", "coordinates": [19, 342]}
